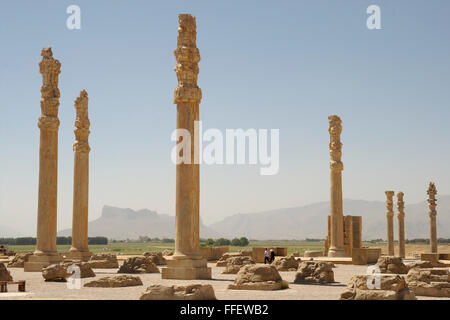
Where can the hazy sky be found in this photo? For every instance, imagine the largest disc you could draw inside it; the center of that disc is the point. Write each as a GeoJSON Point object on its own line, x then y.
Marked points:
{"type": "Point", "coordinates": [265, 64]}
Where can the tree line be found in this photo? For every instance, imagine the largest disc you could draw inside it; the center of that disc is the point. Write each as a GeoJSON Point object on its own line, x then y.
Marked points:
{"type": "Point", "coordinates": [24, 241]}
{"type": "Point", "coordinates": [237, 242]}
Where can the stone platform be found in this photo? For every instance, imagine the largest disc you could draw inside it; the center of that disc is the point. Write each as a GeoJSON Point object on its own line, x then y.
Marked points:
{"type": "Point", "coordinates": [335, 260]}
{"type": "Point", "coordinates": [36, 263]}
{"type": "Point", "coordinates": [186, 269]}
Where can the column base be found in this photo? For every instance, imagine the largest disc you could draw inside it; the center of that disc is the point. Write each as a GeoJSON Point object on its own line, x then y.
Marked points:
{"type": "Point", "coordinates": [334, 252]}
{"type": "Point", "coordinates": [186, 269]}
{"type": "Point", "coordinates": [78, 255]}
{"type": "Point", "coordinates": [36, 263]}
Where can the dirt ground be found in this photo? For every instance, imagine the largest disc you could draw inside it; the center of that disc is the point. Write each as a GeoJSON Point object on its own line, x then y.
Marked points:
{"type": "Point", "coordinates": [37, 288]}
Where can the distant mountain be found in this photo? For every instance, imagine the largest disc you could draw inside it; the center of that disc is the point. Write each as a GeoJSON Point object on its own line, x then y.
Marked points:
{"type": "Point", "coordinates": [118, 223]}
{"type": "Point", "coordinates": [311, 221]}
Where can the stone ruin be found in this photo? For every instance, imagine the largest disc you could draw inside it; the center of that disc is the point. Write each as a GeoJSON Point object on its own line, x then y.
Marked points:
{"type": "Point", "coordinates": [430, 282]}
{"type": "Point", "coordinates": [377, 287]}
{"type": "Point", "coordinates": [19, 260]}
{"type": "Point", "coordinates": [103, 261]}
{"type": "Point", "coordinates": [138, 265]}
{"type": "Point", "coordinates": [60, 272]}
{"type": "Point", "coordinates": [319, 272]}
{"type": "Point", "coordinates": [190, 292]}
{"type": "Point", "coordinates": [234, 264]}
{"type": "Point", "coordinates": [156, 257]}
{"type": "Point", "coordinates": [115, 282]}
{"type": "Point", "coordinates": [285, 263]}
{"type": "Point", "coordinates": [258, 277]}
{"type": "Point", "coordinates": [222, 262]}
{"type": "Point", "coordinates": [390, 264]}
{"type": "Point", "coordinates": [5, 275]}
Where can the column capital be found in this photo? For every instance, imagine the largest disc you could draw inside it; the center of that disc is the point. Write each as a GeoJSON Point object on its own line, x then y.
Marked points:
{"type": "Point", "coordinates": [400, 205]}
{"type": "Point", "coordinates": [50, 68]}
{"type": "Point", "coordinates": [82, 123]}
{"type": "Point", "coordinates": [335, 146]}
{"type": "Point", "coordinates": [187, 56]}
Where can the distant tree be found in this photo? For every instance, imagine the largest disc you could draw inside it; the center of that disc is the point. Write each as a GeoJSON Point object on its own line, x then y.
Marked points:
{"type": "Point", "coordinates": [244, 241]}
{"type": "Point", "coordinates": [236, 242]}
{"type": "Point", "coordinates": [209, 242]}
{"type": "Point", "coordinates": [222, 242]}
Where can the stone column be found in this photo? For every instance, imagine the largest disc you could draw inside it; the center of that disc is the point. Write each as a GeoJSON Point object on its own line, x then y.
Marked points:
{"type": "Point", "coordinates": [432, 213]}
{"type": "Point", "coordinates": [45, 253]}
{"type": "Point", "coordinates": [79, 249]}
{"type": "Point", "coordinates": [336, 166]}
{"type": "Point", "coordinates": [390, 221]}
{"type": "Point", "coordinates": [187, 262]}
{"type": "Point", "coordinates": [401, 224]}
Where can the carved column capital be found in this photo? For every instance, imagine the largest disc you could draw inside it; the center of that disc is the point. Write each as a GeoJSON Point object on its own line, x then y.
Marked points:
{"type": "Point", "coordinates": [187, 56]}
{"type": "Point", "coordinates": [389, 203]}
{"type": "Point", "coordinates": [335, 146]}
{"type": "Point", "coordinates": [432, 199]}
{"type": "Point", "coordinates": [400, 205]}
{"type": "Point", "coordinates": [82, 123]}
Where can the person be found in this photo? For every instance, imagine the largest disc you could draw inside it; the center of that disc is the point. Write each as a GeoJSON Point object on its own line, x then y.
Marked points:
{"type": "Point", "coordinates": [266, 256]}
{"type": "Point", "coordinates": [272, 255]}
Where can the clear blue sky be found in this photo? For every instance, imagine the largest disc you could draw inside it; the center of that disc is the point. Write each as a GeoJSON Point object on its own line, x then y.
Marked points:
{"type": "Point", "coordinates": [265, 64]}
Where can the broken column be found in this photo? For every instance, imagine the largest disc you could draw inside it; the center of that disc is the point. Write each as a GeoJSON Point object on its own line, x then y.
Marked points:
{"type": "Point", "coordinates": [432, 213]}
{"type": "Point", "coordinates": [390, 221]}
{"type": "Point", "coordinates": [79, 249]}
{"type": "Point", "coordinates": [401, 224]}
{"type": "Point", "coordinates": [45, 253]}
{"type": "Point", "coordinates": [336, 167]}
{"type": "Point", "coordinates": [187, 262]}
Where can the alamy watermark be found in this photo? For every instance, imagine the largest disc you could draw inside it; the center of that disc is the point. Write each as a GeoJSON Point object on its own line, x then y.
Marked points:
{"type": "Point", "coordinates": [239, 147]}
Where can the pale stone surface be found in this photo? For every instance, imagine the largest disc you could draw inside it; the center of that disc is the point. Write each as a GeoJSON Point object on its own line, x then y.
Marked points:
{"type": "Point", "coordinates": [138, 265]}
{"type": "Point", "coordinates": [103, 261]}
{"type": "Point", "coordinates": [40, 289]}
{"type": "Point", "coordinates": [419, 264]}
{"type": "Point", "coordinates": [45, 253]}
{"type": "Point", "coordinates": [5, 275]}
{"type": "Point", "coordinates": [115, 282]}
{"type": "Point", "coordinates": [285, 263]}
{"type": "Point", "coordinates": [389, 264]}
{"type": "Point", "coordinates": [19, 260]}
{"type": "Point", "coordinates": [432, 214]}
{"type": "Point", "coordinates": [386, 287]}
{"type": "Point", "coordinates": [336, 166]}
{"type": "Point", "coordinates": [79, 249]}
{"type": "Point", "coordinates": [190, 292]}
{"type": "Point", "coordinates": [213, 253]}
{"type": "Point", "coordinates": [234, 264]}
{"type": "Point", "coordinates": [429, 282]}
{"type": "Point", "coordinates": [390, 221]}
{"type": "Point", "coordinates": [365, 255]}
{"type": "Point", "coordinates": [167, 253]}
{"type": "Point", "coordinates": [313, 253]}
{"type": "Point", "coordinates": [315, 272]}
{"type": "Point", "coordinates": [401, 224]}
{"type": "Point", "coordinates": [187, 261]}
{"type": "Point", "coordinates": [156, 257]}
{"type": "Point", "coordinates": [258, 277]}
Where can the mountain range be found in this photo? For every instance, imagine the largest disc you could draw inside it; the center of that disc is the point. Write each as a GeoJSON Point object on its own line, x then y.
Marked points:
{"type": "Point", "coordinates": [302, 222]}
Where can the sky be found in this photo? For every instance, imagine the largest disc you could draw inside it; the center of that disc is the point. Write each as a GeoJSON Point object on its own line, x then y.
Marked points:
{"type": "Point", "coordinates": [283, 65]}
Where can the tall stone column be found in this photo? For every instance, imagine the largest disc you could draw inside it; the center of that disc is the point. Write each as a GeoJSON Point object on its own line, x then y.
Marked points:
{"type": "Point", "coordinates": [432, 213]}
{"type": "Point", "coordinates": [336, 167]}
{"type": "Point", "coordinates": [45, 253]}
{"type": "Point", "coordinates": [401, 224]}
{"type": "Point", "coordinates": [390, 221]}
{"type": "Point", "coordinates": [187, 262]}
{"type": "Point", "coordinates": [79, 249]}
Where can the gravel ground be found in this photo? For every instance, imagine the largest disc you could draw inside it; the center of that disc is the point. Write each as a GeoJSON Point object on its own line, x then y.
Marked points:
{"type": "Point", "coordinates": [37, 288]}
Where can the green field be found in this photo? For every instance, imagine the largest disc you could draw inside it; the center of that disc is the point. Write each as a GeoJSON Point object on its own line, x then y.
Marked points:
{"type": "Point", "coordinates": [139, 248]}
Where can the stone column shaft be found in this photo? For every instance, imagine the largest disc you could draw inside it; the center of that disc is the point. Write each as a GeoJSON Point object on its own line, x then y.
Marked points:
{"type": "Point", "coordinates": [187, 262]}
{"type": "Point", "coordinates": [336, 210]}
{"type": "Point", "coordinates": [79, 249]}
{"type": "Point", "coordinates": [390, 221]}
{"type": "Point", "coordinates": [48, 124]}
{"type": "Point", "coordinates": [401, 224]}
{"type": "Point", "coordinates": [432, 214]}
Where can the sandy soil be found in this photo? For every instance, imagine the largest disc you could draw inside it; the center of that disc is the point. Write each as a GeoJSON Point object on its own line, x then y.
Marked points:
{"type": "Point", "coordinates": [37, 288]}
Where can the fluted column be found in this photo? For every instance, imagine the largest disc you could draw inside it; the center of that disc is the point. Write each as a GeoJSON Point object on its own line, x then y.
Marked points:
{"type": "Point", "coordinates": [432, 214]}
{"type": "Point", "coordinates": [401, 224]}
{"type": "Point", "coordinates": [79, 249]}
{"type": "Point", "coordinates": [48, 124]}
{"type": "Point", "coordinates": [390, 221]}
{"type": "Point", "coordinates": [187, 262]}
{"type": "Point", "coordinates": [336, 167]}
